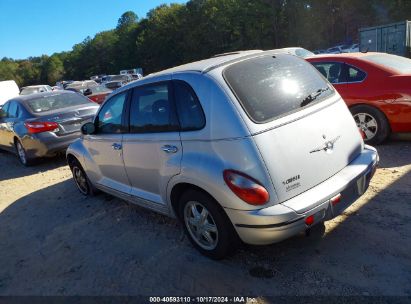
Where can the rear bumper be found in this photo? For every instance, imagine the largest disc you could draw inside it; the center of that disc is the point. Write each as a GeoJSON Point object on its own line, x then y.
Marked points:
{"type": "Point", "coordinates": [281, 221]}
{"type": "Point", "coordinates": [47, 143]}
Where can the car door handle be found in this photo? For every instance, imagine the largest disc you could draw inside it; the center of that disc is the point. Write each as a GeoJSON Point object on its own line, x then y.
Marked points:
{"type": "Point", "coordinates": [169, 149]}
{"type": "Point", "coordinates": [117, 146]}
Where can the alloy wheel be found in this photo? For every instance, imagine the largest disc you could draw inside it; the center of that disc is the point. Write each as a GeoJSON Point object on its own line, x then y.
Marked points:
{"type": "Point", "coordinates": [80, 179]}
{"type": "Point", "coordinates": [201, 225]}
{"type": "Point", "coordinates": [366, 123]}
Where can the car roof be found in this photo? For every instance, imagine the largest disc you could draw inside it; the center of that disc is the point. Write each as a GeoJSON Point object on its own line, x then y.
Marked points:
{"type": "Point", "coordinates": [342, 56]}
{"type": "Point", "coordinates": [203, 66]}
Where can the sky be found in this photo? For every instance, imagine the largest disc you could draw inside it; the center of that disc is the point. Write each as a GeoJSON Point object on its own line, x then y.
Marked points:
{"type": "Point", "coordinates": [37, 27]}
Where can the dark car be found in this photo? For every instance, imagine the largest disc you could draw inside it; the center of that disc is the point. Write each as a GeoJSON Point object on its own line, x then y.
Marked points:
{"type": "Point", "coordinates": [43, 124]}
{"type": "Point", "coordinates": [114, 85]}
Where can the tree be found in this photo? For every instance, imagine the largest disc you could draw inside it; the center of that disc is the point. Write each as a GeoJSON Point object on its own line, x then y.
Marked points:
{"type": "Point", "coordinates": [178, 33]}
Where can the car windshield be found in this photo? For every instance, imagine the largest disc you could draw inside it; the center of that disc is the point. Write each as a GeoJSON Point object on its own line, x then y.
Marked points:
{"type": "Point", "coordinates": [28, 91]}
{"type": "Point", "coordinates": [55, 101]}
{"type": "Point", "coordinates": [269, 87]}
{"type": "Point", "coordinates": [118, 77]}
{"type": "Point", "coordinates": [400, 64]}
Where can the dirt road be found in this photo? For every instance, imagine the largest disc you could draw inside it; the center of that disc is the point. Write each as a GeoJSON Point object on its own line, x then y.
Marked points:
{"type": "Point", "coordinates": [53, 241]}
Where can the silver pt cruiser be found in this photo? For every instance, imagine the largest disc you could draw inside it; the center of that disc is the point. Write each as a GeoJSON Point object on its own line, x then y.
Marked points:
{"type": "Point", "coordinates": [253, 146]}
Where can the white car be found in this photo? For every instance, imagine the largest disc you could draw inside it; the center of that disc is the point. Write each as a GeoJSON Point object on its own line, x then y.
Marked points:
{"type": "Point", "coordinates": [35, 89]}
{"type": "Point", "coordinates": [338, 49]}
{"type": "Point", "coordinates": [353, 48]}
{"type": "Point", "coordinates": [8, 89]}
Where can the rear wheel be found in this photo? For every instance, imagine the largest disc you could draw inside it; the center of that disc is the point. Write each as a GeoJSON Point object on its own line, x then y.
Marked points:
{"type": "Point", "coordinates": [206, 225]}
{"type": "Point", "coordinates": [22, 154]}
{"type": "Point", "coordinates": [372, 123]}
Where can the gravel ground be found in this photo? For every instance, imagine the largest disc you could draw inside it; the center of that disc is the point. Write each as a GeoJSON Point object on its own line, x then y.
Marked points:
{"type": "Point", "coordinates": [53, 241]}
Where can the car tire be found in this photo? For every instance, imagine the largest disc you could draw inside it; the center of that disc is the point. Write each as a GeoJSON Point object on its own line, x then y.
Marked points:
{"type": "Point", "coordinates": [211, 232]}
{"type": "Point", "coordinates": [372, 122]}
{"type": "Point", "coordinates": [81, 180]}
{"type": "Point", "coordinates": [22, 154]}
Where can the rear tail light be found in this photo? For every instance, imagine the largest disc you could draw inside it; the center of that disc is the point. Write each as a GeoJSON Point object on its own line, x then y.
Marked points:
{"type": "Point", "coordinates": [246, 187]}
{"type": "Point", "coordinates": [38, 127]}
{"type": "Point", "coordinates": [309, 220]}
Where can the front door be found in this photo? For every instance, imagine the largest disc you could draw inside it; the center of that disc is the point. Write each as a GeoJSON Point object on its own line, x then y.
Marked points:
{"type": "Point", "coordinates": [152, 149]}
{"type": "Point", "coordinates": [105, 147]}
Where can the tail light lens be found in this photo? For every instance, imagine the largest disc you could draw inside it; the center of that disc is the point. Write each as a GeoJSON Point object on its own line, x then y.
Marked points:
{"type": "Point", "coordinates": [38, 127]}
{"type": "Point", "coordinates": [246, 187]}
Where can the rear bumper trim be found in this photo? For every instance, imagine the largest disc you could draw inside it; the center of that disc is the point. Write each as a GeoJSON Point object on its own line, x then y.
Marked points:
{"type": "Point", "coordinates": [270, 225]}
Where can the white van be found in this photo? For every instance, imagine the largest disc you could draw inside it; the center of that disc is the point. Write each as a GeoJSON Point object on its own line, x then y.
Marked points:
{"type": "Point", "coordinates": [8, 89]}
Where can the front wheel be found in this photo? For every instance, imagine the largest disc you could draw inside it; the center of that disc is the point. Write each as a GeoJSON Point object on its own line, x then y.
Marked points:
{"type": "Point", "coordinates": [207, 226]}
{"type": "Point", "coordinates": [372, 123]}
{"type": "Point", "coordinates": [80, 178]}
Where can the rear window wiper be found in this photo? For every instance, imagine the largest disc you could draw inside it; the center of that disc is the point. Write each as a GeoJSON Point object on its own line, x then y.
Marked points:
{"type": "Point", "coordinates": [313, 96]}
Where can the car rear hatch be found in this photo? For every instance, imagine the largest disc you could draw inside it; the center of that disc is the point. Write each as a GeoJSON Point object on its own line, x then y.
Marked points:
{"type": "Point", "coordinates": [301, 126]}
{"type": "Point", "coordinates": [301, 154]}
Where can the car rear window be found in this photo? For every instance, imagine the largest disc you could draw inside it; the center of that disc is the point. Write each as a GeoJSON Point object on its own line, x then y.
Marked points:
{"type": "Point", "coordinates": [56, 101]}
{"type": "Point", "coordinates": [401, 64]}
{"type": "Point", "coordinates": [270, 87]}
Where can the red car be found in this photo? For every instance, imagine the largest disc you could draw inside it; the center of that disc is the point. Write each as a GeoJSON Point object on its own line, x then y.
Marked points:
{"type": "Point", "coordinates": [375, 86]}
{"type": "Point", "coordinates": [97, 94]}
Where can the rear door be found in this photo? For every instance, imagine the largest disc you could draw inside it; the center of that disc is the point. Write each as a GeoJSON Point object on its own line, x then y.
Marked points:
{"type": "Point", "coordinates": [152, 147]}
{"type": "Point", "coordinates": [105, 146]}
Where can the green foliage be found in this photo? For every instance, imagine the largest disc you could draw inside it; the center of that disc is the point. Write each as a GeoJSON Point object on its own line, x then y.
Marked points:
{"type": "Point", "coordinates": [179, 33]}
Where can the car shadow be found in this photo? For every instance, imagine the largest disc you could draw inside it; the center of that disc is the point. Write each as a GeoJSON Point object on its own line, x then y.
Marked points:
{"type": "Point", "coordinates": [10, 167]}
{"type": "Point", "coordinates": [61, 243]}
{"type": "Point", "coordinates": [58, 242]}
{"type": "Point", "coordinates": [394, 153]}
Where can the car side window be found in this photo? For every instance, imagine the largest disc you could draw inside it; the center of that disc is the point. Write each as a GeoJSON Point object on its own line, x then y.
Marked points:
{"type": "Point", "coordinates": [189, 110]}
{"type": "Point", "coordinates": [355, 74]}
{"type": "Point", "coordinates": [152, 109]}
{"type": "Point", "coordinates": [12, 111]}
{"type": "Point", "coordinates": [109, 119]}
{"type": "Point", "coordinates": [333, 71]}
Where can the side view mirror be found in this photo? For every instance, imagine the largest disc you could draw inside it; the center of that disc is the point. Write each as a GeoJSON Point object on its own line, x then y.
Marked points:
{"type": "Point", "coordinates": [88, 128]}
{"type": "Point", "coordinates": [87, 92]}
